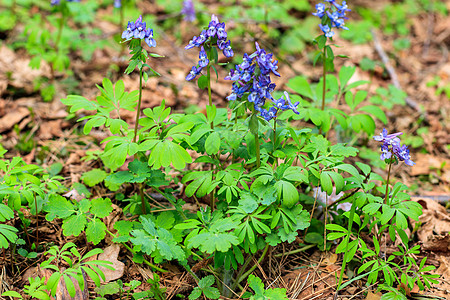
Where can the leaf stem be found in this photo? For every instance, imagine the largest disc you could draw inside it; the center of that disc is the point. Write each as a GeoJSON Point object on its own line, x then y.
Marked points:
{"type": "Point", "coordinates": [246, 274]}
{"type": "Point", "coordinates": [324, 76]}
{"type": "Point", "coordinates": [257, 150]}
{"type": "Point", "coordinates": [139, 106]}
{"type": "Point", "coordinates": [37, 221]}
{"type": "Point", "coordinates": [387, 181]}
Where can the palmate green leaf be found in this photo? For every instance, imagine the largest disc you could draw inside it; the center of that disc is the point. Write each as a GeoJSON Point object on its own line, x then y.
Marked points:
{"type": "Point", "coordinates": [93, 177]}
{"type": "Point", "coordinates": [101, 207]}
{"type": "Point", "coordinates": [248, 202]}
{"type": "Point", "coordinates": [78, 103]}
{"type": "Point", "coordinates": [210, 242]}
{"type": "Point", "coordinates": [168, 152]}
{"type": "Point", "coordinates": [144, 242]}
{"type": "Point", "coordinates": [74, 225]}
{"type": "Point", "coordinates": [58, 207]}
{"type": "Point", "coordinates": [95, 231]}
{"type": "Point", "coordinates": [168, 247]}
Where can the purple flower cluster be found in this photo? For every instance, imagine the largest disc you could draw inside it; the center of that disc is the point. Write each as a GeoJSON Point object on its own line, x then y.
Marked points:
{"type": "Point", "coordinates": [137, 30]}
{"type": "Point", "coordinates": [188, 11]}
{"type": "Point", "coordinates": [391, 146]}
{"type": "Point", "coordinates": [252, 78]}
{"type": "Point", "coordinates": [333, 16]}
{"type": "Point", "coordinates": [214, 35]}
{"type": "Point", "coordinates": [117, 3]}
{"type": "Point", "coordinates": [57, 2]}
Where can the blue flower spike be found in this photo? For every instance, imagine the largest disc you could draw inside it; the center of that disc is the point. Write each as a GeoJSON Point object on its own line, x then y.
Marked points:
{"type": "Point", "coordinates": [332, 15]}
{"type": "Point", "coordinates": [391, 146]}
{"type": "Point", "coordinates": [138, 30]}
{"type": "Point", "coordinates": [214, 35]}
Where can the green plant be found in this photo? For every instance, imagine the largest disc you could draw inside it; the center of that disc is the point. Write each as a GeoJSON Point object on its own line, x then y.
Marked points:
{"type": "Point", "coordinates": [204, 287]}
{"type": "Point", "coordinates": [77, 265]}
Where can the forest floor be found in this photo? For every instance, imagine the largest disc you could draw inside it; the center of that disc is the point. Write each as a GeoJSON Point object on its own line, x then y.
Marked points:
{"type": "Point", "coordinates": [41, 133]}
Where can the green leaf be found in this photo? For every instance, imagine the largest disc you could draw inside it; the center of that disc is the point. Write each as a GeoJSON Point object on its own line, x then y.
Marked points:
{"type": "Point", "coordinates": [74, 225]}
{"type": "Point", "coordinates": [301, 85]}
{"type": "Point", "coordinates": [211, 293]}
{"type": "Point", "coordinates": [58, 207]}
{"type": "Point", "coordinates": [79, 103]}
{"type": "Point", "coordinates": [93, 177]}
{"type": "Point", "coordinates": [12, 294]}
{"type": "Point", "coordinates": [375, 111]}
{"type": "Point", "coordinates": [212, 143]}
{"type": "Point", "coordinates": [345, 73]}
{"type": "Point", "coordinates": [202, 82]}
{"type": "Point", "coordinates": [101, 207]}
{"type": "Point", "coordinates": [195, 294]}
{"type": "Point", "coordinates": [325, 183]}
{"type": "Point", "coordinates": [211, 242]}
{"type": "Point", "coordinates": [248, 202]}
{"type": "Point", "coordinates": [211, 113]}
{"type": "Point", "coordinates": [95, 231]}
{"type": "Point", "coordinates": [206, 281]}
{"type": "Point", "coordinates": [287, 192]}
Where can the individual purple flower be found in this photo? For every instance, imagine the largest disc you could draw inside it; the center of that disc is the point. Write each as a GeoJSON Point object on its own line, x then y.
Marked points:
{"type": "Point", "coordinates": [128, 33]}
{"type": "Point", "coordinates": [403, 155]}
{"type": "Point", "coordinates": [193, 73]}
{"type": "Point", "coordinates": [117, 3]}
{"type": "Point", "coordinates": [320, 7]}
{"type": "Point", "coordinates": [188, 11]}
{"type": "Point", "coordinates": [327, 30]}
{"type": "Point", "coordinates": [269, 114]}
{"type": "Point", "coordinates": [192, 43]}
{"type": "Point", "coordinates": [204, 61]}
{"type": "Point", "coordinates": [284, 103]}
{"type": "Point", "coordinates": [385, 137]}
{"type": "Point", "coordinates": [227, 51]}
{"type": "Point", "coordinates": [221, 33]}
{"type": "Point", "coordinates": [149, 38]}
{"type": "Point", "coordinates": [212, 28]}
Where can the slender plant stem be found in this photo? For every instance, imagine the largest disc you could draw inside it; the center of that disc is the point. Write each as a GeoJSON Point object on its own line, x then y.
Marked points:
{"type": "Point", "coordinates": [246, 274]}
{"type": "Point", "coordinates": [325, 225]}
{"type": "Point", "coordinates": [387, 181]}
{"type": "Point", "coordinates": [239, 274]}
{"type": "Point", "coordinates": [257, 150]}
{"type": "Point", "coordinates": [295, 251]}
{"type": "Point", "coordinates": [37, 221]}
{"type": "Point", "coordinates": [60, 29]}
{"type": "Point", "coordinates": [274, 133]}
{"type": "Point", "coordinates": [141, 194]}
{"type": "Point", "coordinates": [324, 76]}
{"type": "Point", "coordinates": [208, 75]}
{"type": "Point", "coordinates": [139, 106]}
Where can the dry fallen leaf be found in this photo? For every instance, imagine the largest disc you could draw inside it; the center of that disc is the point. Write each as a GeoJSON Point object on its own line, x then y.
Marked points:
{"type": "Point", "coordinates": [435, 219]}
{"type": "Point", "coordinates": [110, 254]}
{"type": "Point", "coordinates": [372, 296]}
{"type": "Point", "coordinates": [12, 118]}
